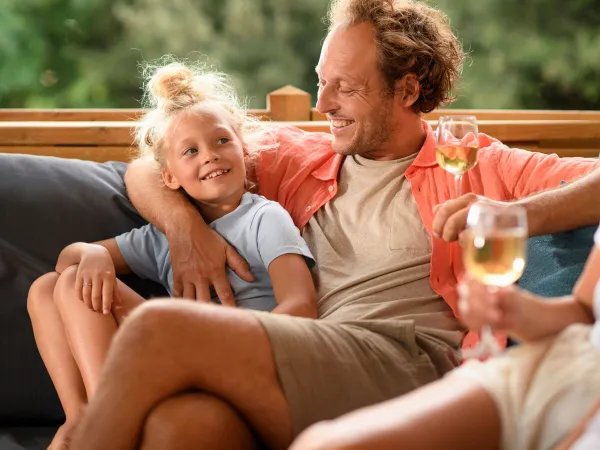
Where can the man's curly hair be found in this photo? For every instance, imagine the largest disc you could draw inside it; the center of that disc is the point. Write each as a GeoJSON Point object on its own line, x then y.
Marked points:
{"type": "Point", "coordinates": [411, 37]}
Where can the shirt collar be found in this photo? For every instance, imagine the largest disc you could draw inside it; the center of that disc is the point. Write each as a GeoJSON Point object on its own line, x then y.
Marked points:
{"type": "Point", "coordinates": [329, 171]}
{"type": "Point", "coordinates": [426, 158]}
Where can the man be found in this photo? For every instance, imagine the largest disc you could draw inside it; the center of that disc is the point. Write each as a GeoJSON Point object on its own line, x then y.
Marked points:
{"type": "Point", "coordinates": [188, 375]}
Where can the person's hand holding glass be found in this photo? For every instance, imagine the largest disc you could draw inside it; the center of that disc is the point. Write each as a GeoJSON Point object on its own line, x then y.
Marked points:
{"type": "Point", "coordinates": [494, 254]}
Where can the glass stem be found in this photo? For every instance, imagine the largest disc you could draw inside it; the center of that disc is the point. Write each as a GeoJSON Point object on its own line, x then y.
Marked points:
{"type": "Point", "coordinates": [458, 183]}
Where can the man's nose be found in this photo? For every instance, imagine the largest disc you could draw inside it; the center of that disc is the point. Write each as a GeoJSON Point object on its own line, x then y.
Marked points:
{"type": "Point", "coordinates": [326, 100]}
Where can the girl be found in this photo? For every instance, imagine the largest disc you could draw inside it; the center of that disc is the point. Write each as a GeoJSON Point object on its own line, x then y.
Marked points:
{"type": "Point", "coordinates": [529, 398]}
{"type": "Point", "coordinates": [200, 136]}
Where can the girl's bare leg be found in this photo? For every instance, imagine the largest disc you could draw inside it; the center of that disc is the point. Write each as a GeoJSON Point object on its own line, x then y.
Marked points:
{"type": "Point", "coordinates": [449, 413]}
{"type": "Point", "coordinates": [56, 354]}
{"type": "Point", "coordinates": [88, 332]}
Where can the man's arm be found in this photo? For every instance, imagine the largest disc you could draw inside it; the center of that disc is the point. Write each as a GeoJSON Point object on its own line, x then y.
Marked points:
{"type": "Point", "coordinates": [198, 254]}
{"type": "Point", "coordinates": [571, 206]}
{"type": "Point", "coordinates": [563, 208]}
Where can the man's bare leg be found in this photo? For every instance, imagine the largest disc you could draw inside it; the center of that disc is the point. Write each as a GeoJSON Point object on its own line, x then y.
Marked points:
{"type": "Point", "coordinates": [449, 413]}
{"type": "Point", "coordinates": [195, 421]}
{"type": "Point", "coordinates": [168, 347]}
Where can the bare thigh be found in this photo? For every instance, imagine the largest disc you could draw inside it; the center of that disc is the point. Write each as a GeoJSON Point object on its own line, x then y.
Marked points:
{"type": "Point", "coordinates": [168, 347]}
{"type": "Point", "coordinates": [195, 420]}
{"type": "Point", "coordinates": [449, 413]}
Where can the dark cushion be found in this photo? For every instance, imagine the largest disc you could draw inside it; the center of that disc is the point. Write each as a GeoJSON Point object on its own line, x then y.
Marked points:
{"type": "Point", "coordinates": [555, 261]}
{"type": "Point", "coordinates": [45, 204]}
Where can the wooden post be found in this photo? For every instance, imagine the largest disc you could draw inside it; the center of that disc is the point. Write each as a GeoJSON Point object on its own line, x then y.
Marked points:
{"type": "Point", "coordinates": [289, 104]}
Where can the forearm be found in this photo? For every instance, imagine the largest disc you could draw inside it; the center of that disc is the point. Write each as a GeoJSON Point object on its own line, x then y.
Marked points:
{"type": "Point", "coordinates": [162, 207]}
{"type": "Point", "coordinates": [547, 318]}
{"type": "Point", "coordinates": [70, 256]}
{"type": "Point", "coordinates": [571, 206]}
{"type": "Point", "coordinates": [298, 308]}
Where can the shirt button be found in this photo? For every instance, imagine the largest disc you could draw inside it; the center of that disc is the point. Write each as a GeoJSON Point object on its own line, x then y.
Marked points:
{"type": "Point", "coordinates": [308, 208]}
{"type": "Point", "coordinates": [330, 188]}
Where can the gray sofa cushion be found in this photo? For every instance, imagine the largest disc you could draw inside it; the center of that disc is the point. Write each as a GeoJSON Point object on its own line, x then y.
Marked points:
{"type": "Point", "coordinates": [45, 204]}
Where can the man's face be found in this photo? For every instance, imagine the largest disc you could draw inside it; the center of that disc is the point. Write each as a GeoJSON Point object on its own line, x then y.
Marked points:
{"type": "Point", "coordinates": [353, 93]}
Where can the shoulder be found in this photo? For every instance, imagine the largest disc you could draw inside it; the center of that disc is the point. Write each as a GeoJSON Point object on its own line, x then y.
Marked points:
{"type": "Point", "coordinates": [293, 142]}
{"type": "Point", "coordinates": [266, 216]}
{"type": "Point", "coordinates": [263, 208]}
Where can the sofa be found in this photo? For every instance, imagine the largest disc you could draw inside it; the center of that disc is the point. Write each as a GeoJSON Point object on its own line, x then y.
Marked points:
{"type": "Point", "coordinates": [47, 203]}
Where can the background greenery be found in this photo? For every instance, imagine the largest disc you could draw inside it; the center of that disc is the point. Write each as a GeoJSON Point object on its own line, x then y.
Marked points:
{"type": "Point", "coordinates": [85, 53]}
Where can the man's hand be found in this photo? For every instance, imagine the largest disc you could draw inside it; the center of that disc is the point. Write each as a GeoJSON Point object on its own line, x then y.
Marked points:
{"type": "Point", "coordinates": [450, 217]}
{"type": "Point", "coordinates": [199, 256]}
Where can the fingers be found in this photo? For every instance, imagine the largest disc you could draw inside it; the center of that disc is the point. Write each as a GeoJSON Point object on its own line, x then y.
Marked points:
{"type": "Point", "coordinates": [450, 217]}
{"type": "Point", "coordinates": [97, 293]}
{"type": "Point", "coordinates": [189, 291]}
{"type": "Point", "coordinates": [108, 289]}
{"type": "Point", "coordinates": [203, 290]}
{"type": "Point", "coordinates": [478, 306]}
{"type": "Point", "coordinates": [79, 285]}
{"type": "Point", "coordinates": [86, 292]}
{"type": "Point", "coordinates": [177, 286]}
{"type": "Point", "coordinates": [238, 265]}
{"type": "Point", "coordinates": [223, 290]}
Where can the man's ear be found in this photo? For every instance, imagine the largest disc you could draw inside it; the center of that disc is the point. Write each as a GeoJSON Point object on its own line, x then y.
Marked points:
{"type": "Point", "coordinates": [170, 181]}
{"type": "Point", "coordinates": [408, 90]}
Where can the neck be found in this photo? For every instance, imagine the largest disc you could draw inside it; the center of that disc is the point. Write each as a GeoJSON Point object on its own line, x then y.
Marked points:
{"type": "Point", "coordinates": [214, 211]}
{"type": "Point", "coordinates": [406, 139]}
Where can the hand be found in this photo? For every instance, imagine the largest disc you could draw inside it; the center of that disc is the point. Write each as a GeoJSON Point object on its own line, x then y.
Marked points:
{"type": "Point", "coordinates": [96, 280]}
{"type": "Point", "coordinates": [199, 256]}
{"type": "Point", "coordinates": [508, 309]}
{"type": "Point", "coordinates": [450, 217]}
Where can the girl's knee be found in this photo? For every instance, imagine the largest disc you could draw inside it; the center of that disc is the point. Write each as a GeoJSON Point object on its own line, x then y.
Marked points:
{"type": "Point", "coordinates": [41, 291]}
{"type": "Point", "coordinates": [65, 283]}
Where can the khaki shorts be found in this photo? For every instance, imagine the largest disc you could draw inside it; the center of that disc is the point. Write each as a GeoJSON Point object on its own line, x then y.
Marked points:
{"type": "Point", "coordinates": [542, 390]}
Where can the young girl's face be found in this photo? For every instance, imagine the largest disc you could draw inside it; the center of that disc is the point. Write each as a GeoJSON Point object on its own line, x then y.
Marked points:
{"type": "Point", "coordinates": [205, 157]}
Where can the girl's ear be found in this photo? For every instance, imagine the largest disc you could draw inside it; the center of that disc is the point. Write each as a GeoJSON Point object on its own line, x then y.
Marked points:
{"type": "Point", "coordinates": [170, 180]}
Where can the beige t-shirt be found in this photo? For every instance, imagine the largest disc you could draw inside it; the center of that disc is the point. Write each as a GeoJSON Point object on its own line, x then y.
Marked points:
{"type": "Point", "coordinates": [373, 252]}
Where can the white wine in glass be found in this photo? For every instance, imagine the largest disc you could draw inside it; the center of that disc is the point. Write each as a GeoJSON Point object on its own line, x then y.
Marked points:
{"type": "Point", "coordinates": [457, 146]}
{"type": "Point", "coordinates": [495, 253]}
{"type": "Point", "coordinates": [497, 259]}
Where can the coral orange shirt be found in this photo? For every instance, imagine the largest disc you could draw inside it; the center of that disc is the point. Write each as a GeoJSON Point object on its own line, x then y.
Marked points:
{"type": "Point", "coordinates": [301, 175]}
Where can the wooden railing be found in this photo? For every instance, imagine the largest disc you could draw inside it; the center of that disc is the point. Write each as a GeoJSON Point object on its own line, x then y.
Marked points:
{"type": "Point", "coordinates": [107, 134]}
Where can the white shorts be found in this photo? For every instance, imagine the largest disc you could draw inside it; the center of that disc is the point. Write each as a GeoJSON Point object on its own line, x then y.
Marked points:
{"type": "Point", "coordinates": [542, 390]}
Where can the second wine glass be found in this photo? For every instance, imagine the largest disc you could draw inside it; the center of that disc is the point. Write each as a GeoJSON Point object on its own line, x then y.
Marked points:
{"type": "Point", "coordinates": [494, 254]}
{"type": "Point", "coordinates": [457, 146]}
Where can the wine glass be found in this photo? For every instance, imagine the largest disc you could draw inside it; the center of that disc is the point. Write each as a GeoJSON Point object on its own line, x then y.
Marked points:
{"type": "Point", "coordinates": [457, 144]}
{"type": "Point", "coordinates": [494, 254]}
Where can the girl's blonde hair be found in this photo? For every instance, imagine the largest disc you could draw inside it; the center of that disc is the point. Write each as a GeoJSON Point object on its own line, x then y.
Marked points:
{"type": "Point", "coordinates": [172, 88]}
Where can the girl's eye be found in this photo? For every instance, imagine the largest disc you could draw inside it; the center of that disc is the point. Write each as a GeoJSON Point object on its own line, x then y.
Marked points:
{"type": "Point", "coordinates": [190, 151]}
{"type": "Point", "coordinates": [223, 141]}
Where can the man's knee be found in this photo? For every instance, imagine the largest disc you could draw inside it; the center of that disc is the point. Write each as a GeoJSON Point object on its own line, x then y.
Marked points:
{"type": "Point", "coordinates": [41, 292]}
{"type": "Point", "coordinates": [195, 421]}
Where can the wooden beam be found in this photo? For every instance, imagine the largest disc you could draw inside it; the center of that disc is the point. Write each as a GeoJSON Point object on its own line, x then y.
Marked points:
{"type": "Point", "coordinates": [512, 130]}
{"type": "Point", "coordinates": [86, 115]}
{"type": "Point", "coordinates": [500, 114]}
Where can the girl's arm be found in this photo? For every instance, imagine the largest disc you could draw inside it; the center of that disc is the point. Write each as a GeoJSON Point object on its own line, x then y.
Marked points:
{"type": "Point", "coordinates": [73, 253]}
{"type": "Point", "coordinates": [293, 286]}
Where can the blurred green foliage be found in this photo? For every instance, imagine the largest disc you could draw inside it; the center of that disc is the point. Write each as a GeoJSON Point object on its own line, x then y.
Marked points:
{"type": "Point", "coordinates": [86, 53]}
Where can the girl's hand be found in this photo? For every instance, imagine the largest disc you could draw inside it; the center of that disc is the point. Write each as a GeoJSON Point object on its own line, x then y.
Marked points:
{"type": "Point", "coordinates": [508, 309]}
{"type": "Point", "coordinates": [96, 280]}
